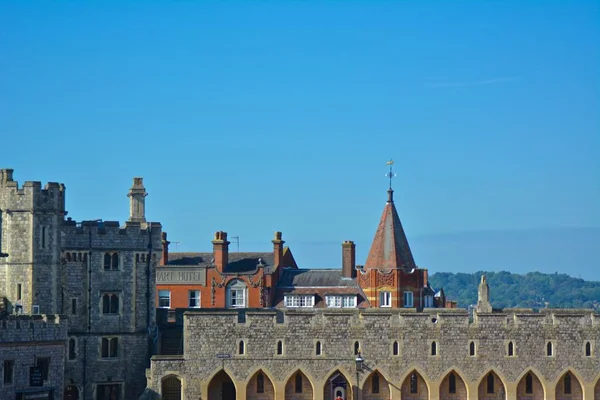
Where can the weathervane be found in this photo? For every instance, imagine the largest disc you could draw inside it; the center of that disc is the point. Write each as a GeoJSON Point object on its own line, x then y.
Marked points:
{"type": "Point", "coordinates": [390, 174]}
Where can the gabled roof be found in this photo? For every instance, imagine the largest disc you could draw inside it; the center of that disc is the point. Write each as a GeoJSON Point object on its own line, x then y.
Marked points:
{"type": "Point", "coordinates": [390, 247]}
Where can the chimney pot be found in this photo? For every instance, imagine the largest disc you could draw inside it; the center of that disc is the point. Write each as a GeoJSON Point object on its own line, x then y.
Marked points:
{"type": "Point", "coordinates": [348, 259]}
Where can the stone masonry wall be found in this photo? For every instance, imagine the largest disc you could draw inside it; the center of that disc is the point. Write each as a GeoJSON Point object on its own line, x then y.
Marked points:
{"type": "Point", "coordinates": [208, 333]}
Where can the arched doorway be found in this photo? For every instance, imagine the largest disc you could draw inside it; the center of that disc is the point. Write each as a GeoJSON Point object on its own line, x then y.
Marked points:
{"type": "Point", "coordinates": [221, 387]}
{"type": "Point", "coordinates": [337, 386]}
{"type": "Point", "coordinates": [298, 387]}
{"type": "Point", "coordinates": [260, 387]}
{"type": "Point", "coordinates": [491, 387]}
{"type": "Point", "coordinates": [453, 387]}
{"type": "Point", "coordinates": [530, 387]}
{"type": "Point", "coordinates": [414, 387]}
{"type": "Point", "coordinates": [170, 388]}
{"type": "Point", "coordinates": [71, 392]}
{"type": "Point", "coordinates": [376, 387]}
{"type": "Point", "coordinates": [568, 387]}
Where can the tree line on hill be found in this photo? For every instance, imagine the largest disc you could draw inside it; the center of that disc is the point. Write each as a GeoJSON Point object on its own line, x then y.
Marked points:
{"type": "Point", "coordinates": [532, 290]}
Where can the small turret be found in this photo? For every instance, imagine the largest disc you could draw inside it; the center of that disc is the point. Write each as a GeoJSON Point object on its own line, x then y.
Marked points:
{"type": "Point", "coordinates": [483, 297]}
{"type": "Point", "coordinates": [137, 201]}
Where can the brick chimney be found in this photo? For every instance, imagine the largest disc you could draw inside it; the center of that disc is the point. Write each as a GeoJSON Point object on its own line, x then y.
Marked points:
{"type": "Point", "coordinates": [221, 250]}
{"type": "Point", "coordinates": [165, 253]}
{"type": "Point", "coordinates": [277, 249]}
{"type": "Point", "coordinates": [348, 259]}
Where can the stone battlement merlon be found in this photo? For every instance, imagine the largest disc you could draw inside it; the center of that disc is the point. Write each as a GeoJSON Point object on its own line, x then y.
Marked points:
{"type": "Point", "coordinates": [30, 328]}
{"type": "Point", "coordinates": [31, 196]}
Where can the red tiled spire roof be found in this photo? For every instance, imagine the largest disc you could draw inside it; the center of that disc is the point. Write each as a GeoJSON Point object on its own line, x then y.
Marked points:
{"type": "Point", "coordinates": [390, 247]}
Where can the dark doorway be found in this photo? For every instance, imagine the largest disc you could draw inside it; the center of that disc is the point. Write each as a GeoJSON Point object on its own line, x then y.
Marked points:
{"type": "Point", "coordinates": [228, 391]}
{"type": "Point", "coordinates": [71, 393]}
{"type": "Point", "coordinates": [221, 387]}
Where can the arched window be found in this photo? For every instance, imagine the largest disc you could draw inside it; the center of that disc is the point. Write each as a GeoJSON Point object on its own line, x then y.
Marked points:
{"type": "Point", "coordinates": [110, 303]}
{"type": "Point", "coordinates": [236, 294]}
{"type": "Point", "coordinates": [318, 349]}
{"type": "Point", "coordinates": [375, 383]}
{"type": "Point", "coordinates": [511, 349]}
{"type": "Point", "coordinates": [433, 348]}
{"type": "Point", "coordinates": [567, 383]}
{"type": "Point", "coordinates": [72, 349]}
{"type": "Point", "coordinates": [356, 348]}
{"type": "Point", "coordinates": [472, 349]}
{"type": "Point", "coordinates": [115, 261]}
{"type": "Point", "coordinates": [107, 260]}
{"type": "Point", "coordinates": [298, 383]}
{"type": "Point", "coordinates": [260, 383]}
{"type": "Point", "coordinates": [549, 349]}
{"type": "Point", "coordinates": [280, 347]}
{"type": "Point", "coordinates": [68, 256]}
{"type": "Point", "coordinates": [528, 384]}
{"type": "Point", "coordinates": [414, 383]}
{"type": "Point", "coordinates": [490, 383]}
{"type": "Point", "coordinates": [588, 349]}
{"type": "Point", "coordinates": [241, 347]}
{"type": "Point", "coordinates": [452, 383]}
{"type": "Point", "coordinates": [395, 349]}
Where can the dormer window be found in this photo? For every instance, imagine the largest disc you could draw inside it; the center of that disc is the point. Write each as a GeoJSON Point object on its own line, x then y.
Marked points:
{"type": "Point", "coordinates": [341, 301]}
{"type": "Point", "coordinates": [295, 300]}
{"type": "Point", "coordinates": [236, 294]}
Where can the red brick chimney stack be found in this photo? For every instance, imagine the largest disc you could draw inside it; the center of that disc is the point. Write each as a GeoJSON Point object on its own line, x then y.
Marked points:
{"type": "Point", "coordinates": [278, 249]}
{"type": "Point", "coordinates": [348, 259]}
{"type": "Point", "coordinates": [165, 252]}
{"type": "Point", "coordinates": [221, 250]}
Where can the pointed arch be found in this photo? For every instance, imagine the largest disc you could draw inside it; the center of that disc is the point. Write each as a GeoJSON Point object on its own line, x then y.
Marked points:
{"type": "Point", "coordinates": [221, 386]}
{"type": "Point", "coordinates": [376, 386]}
{"type": "Point", "coordinates": [597, 389]}
{"type": "Point", "coordinates": [421, 380]}
{"type": "Point", "coordinates": [291, 385]}
{"type": "Point", "coordinates": [454, 384]}
{"type": "Point", "coordinates": [171, 387]}
{"type": "Point", "coordinates": [569, 385]}
{"type": "Point", "coordinates": [491, 385]}
{"type": "Point", "coordinates": [537, 384]}
{"type": "Point", "coordinates": [337, 382]}
{"type": "Point", "coordinates": [260, 385]}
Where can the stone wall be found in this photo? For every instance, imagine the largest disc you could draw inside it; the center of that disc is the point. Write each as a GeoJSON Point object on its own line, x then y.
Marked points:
{"type": "Point", "coordinates": [212, 344]}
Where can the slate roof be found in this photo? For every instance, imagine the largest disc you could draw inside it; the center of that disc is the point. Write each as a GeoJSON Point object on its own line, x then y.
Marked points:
{"type": "Point", "coordinates": [238, 262]}
{"type": "Point", "coordinates": [390, 247]}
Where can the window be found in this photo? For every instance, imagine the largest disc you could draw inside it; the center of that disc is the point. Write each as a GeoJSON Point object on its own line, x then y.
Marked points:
{"type": "Point", "coordinates": [528, 384]}
{"type": "Point", "coordinates": [588, 349]}
{"type": "Point", "coordinates": [36, 309]}
{"type": "Point", "coordinates": [73, 306]}
{"type": "Point", "coordinates": [375, 383]}
{"type": "Point", "coordinates": [385, 299]}
{"type": "Point", "coordinates": [395, 349]}
{"type": "Point", "coordinates": [549, 349]}
{"type": "Point", "coordinates": [452, 383]}
{"type": "Point", "coordinates": [433, 348]}
{"type": "Point", "coordinates": [19, 291]}
{"type": "Point", "coordinates": [414, 383]}
{"type": "Point", "coordinates": [72, 349]}
{"type": "Point", "coordinates": [108, 392]}
{"type": "Point", "coordinates": [298, 383]}
{"type": "Point", "coordinates": [279, 347]}
{"type": "Point", "coordinates": [236, 294]}
{"type": "Point", "coordinates": [9, 372]}
{"type": "Point", "coordinates": [194, 299]}
{"type": "Point", "coordinates": [110, 303]}
{"type": "Point", "coordinates": [111, 261]}
{"type": "Point", "coordinates": [164, 299]}
{"type": "Point", "coordinates": [341, 301]}
{"type": "Point", "coordinates": [43, 363]}
{"type": "Point", "coordinates": [567, 384]}
{"type": "Point", "coordinates": [110, 347]}
{"type": "Point", "coordinates": [472, 349]}
{"type": "Point", "coordinates": [490, 383]}
{"type": "Point", "coordinates": [318, 349]}
{"type": "Point", "coordinates": [511, 349]}
{"type": "Point", "coordinates": [408, 299]}
{"type": "Point", "coordinates": [356, 348]}
{"type": "Point", "coordinates": [43, 237]}
{"type": "Point", "coordinates": [299, 301]}
{"type": "Point", "coordinates": [241, 347]}
{"type": "Point", "coordinates": [428, 301]}
{"type": "Point", "coordinates": [260, 383]}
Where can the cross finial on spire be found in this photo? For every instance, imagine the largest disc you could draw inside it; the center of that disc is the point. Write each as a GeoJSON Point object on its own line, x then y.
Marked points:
{"type": "Point", "coordinates": [391, 173]}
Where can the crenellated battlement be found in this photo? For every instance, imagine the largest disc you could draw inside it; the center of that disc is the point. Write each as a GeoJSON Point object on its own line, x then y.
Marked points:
{"type": "Point", "coordinates": [33, 328]}
{"type": "Point", "coordinates": [31, 196]}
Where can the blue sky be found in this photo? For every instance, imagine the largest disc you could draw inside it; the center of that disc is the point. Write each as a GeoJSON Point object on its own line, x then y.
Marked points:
{"type": "Point", "coordinates": [251, 117]}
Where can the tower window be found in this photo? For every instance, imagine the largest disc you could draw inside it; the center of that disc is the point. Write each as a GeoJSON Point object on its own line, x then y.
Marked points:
{"type": "Point", "coordinates": [73, 306]}
{"type": "Point", "coordinates": [472, 349]}
{"type": "Point", "coordinates": [19, 291]}
{"type": "Point", "coordinates": [110, 303]}
{"type": "Point", "coordinates": [72, 349]}
{"type": "Point", "coordinates": [280, 347]}
{"type": "Point", "coordinates": [549, 349]}
{"type": "Point", "coordinates": [433, 348]}
{"type": "Point", "coordinates": [43, 237]}
{"type": "Point", "coordinates": [356, 348]}
{"type": "Point", "coordinates": [111, 261]}
{"type": "Point", "coordinates": [318, 349]}
{"type": "Point", "coordinates": [511, 349]}
{"type": "Point", "coordinates": [588, 349]}
{"type": "Point", "coordinates": [395, 349]}
{"type": "Point", "coordinates": [241, 347]}
{"type": "Point", "coordinates": [110, 347]}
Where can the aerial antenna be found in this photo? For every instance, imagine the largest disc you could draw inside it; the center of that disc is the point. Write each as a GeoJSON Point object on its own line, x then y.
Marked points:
{"type": "Point", "coordinates": [390, 174]}
{"type": "Point", "coordinates": [236, 240]}
{"type": "Point", "coordinates": [177, 243]}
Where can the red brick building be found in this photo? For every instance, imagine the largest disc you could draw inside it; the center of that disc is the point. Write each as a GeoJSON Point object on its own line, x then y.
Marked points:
{"type": "Point", "coordinates": [224, 279]}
